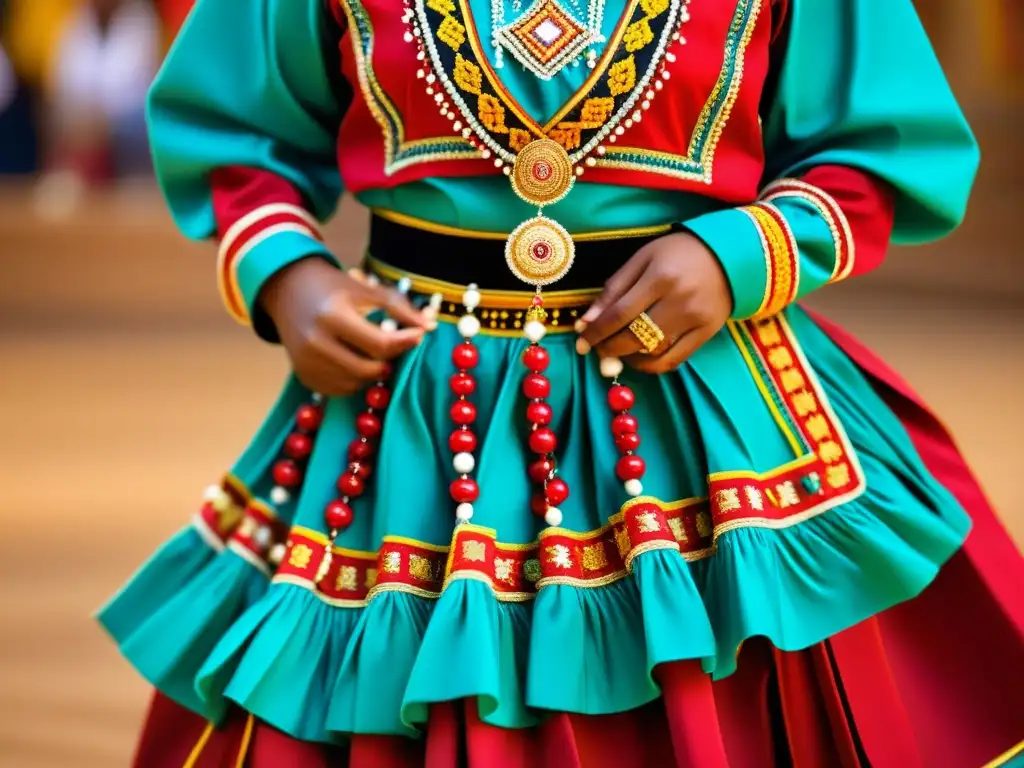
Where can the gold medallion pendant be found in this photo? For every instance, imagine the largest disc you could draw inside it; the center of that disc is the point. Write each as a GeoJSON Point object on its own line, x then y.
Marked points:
{"type": "Point", "coordinates": [539, 251]}
{"type": "Point", "coordinates": [542, 173]}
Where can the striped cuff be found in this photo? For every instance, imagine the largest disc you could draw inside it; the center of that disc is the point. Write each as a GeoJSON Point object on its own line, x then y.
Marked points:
{"type": "Point", "coordinates": [260, 244]}
{"type": "Point", "coordinates": [829, 210]}
{"type": "Point", "coordinates": [758, 252]}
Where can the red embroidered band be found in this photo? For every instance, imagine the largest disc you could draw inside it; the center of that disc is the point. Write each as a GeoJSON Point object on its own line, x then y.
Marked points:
{"type": "Point", "coordinates": [244, 235]}
{"type": "Point", "coordinates": [830, 211]}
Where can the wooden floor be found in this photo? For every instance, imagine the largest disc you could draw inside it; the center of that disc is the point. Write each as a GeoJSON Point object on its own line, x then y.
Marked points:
{"type": "Point", "coordinates": [116, 416]}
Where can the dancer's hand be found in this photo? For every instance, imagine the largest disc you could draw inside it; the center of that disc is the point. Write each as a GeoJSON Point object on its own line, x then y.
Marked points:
{"type": "Point", "coordinates": [679, 283]}
{"type": "Point", "coordinates": [320, 312]}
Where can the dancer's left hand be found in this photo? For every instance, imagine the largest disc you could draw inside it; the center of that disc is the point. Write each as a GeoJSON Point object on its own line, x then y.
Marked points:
{"type": "Point", "coordinates": [679, 283]}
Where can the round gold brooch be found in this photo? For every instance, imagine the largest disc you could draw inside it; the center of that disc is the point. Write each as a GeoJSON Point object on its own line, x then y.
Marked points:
{"type": "Point", "coordinates": [539, 251]}
{"type": "Point", "coordinates": [542, 173]}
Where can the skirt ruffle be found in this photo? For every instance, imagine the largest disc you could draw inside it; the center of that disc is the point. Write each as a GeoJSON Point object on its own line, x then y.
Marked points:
{"type": "Point", "coordinates": [208, 628]}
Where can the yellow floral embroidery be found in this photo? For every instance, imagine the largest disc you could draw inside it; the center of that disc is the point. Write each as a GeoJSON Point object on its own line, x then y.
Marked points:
{"type": "Point", "coordinates": [754, 498]}
{"type": "Point", "coordinates": [830, 452]}
{"type": "Point", "coordinates": [622, 76]}
{"type": "Point", "coordinates": [444, 7]}
{"type": "Point", "coordinates": [452, 33]}
{"type": "Point", "coordinates": [393, 562]}
{"type": "Point", "coordinates": [780, 358]}
{"type": "Point", "coordinates": [654, 7]}
{"type": "Point", "coordinates": [595, 112]}
{"type": "Point", "coordinates": [638, 35]}
{"type": "Point", "coordinates": [300, 556]}
{"type": "Point", "coordinates": [818, 427]}
{"type": "Point", "coordinates": [531, 569]}
{"type": "Point", "coordinates": [678, 530]}
{"type": "Point", "coordinates": [492, 113]}
{"type": "Point", "coordinates": [647, 522]}
{"type": "Point", "coordinates": [594, 557]}
{"type": "Point", "coordinates": [728, 499]}
{"type": "Point", "coordinates": [768, 334]}
{"type": "Point", "coordinates": [420, 568]}
{"type": "Point", "coordinates": [371, 578]}
{"type": "Point", "coordinates": [792, 380]}
{"type": "Point", "coordinates": [474, 551]}
{"type": "Point", "coordinates": [622, 541]}
{"type": "Point", "coordinates": [467, 75]}
{"type": "Point", "coordinates": [787, 494]}
{"type": "Point", "coordinates": [503, 569]}
{"type": "Point", "coordinates": [566, 134]}
{"type": "Point", "coordinates": [704, 527]}
{"type": "Point", "coordinates": [518, 138]}
{"type": "Point", "coordinates": [804, 403]}
{"type": "Point", "coordinates": [838, 475]}
{"type": "Point", "coordinates": [346, 581]}
{"type": "Point", "coordinates": [559, 555]}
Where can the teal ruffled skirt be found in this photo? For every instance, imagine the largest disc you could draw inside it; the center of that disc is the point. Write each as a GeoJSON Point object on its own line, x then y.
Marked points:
{"type": "Point", "coordinates": [782, 499]}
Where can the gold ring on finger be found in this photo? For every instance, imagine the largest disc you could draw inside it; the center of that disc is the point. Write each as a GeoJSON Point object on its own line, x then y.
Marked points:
{"type": "Point", "coordinates": [647, 332]}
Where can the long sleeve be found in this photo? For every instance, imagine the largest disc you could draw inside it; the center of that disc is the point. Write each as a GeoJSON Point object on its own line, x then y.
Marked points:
{"type": "Point", "coordinates": [865, 144]}
{"type": "Point", "coordinates": [243, 119]}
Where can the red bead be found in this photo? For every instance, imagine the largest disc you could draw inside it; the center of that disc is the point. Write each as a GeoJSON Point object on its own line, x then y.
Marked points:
{"type": "Point", "coordinates": [386, 370]}
{"type": "Point", "coordinates": [537, 301]}
{"type": "Point", "coordinates": [308, 417]}
{"type": "Point", "coordinates": [361, 469]}
{"type": "Point", "coordinates": [287, 473]}
{"type": "Point", "coordinates": [538, 504]}
{"type": "Point", "coordinates": [464, 490]}
{"type": "Point", "coordinates": [298, 446]}
{"type": "Point", "coordinates": [536, 358]}
{"type": "Point", "coordinates": [540, 469]}
{"type": "Point", "coordinates": [465, 356]}
{"type": "Point", "coordinates": [463, 412]}
{"type": "Point", "coordinates": [536, 386]}
{"type": "Point", "coordinates": [538, 413]}
{"type": "Point", "coordinates": [368, 424]}
{"type": "Point", "coordinates": [359, 449]}
{"type": "Point", "coordinates": [338, 514]}
{"type": "Point", "coordinates": [627, 441]}
{"type": "Point", "coordinates": [462, 384]}
{"type": "Point", "coordinates": [630, 468]}
{"type": "Point", "coordinates": [621, 398]}
{"type": "Point", "coordinates": [543, 441]}
{"type": "Point", "coordinates": [351, 484]}
{"type": "Point", "coordinates": [623, 423]}
{"type": "Point", "coordinates": [378, 397]}
{"type": "Point", "coordinates": [557, 491]}
{"type": "Point", "coordinates": [462, 441]}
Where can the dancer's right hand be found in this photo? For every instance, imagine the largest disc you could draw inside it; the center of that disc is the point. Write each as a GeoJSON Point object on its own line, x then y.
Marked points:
{"type": "Point", "coordinates": [320, 314]}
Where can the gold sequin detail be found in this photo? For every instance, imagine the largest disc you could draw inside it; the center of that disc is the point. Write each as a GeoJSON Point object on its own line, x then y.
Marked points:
{"type": "Point", "coordinates": [474, 551]}
{"type": "Point", "coordinates": [420, 568]}
{"type": "Point", "coordinates": [393, 562]}
{"type": "Point", "coordinates": [728, 500]}
{"type": "Point", "coordinates": [371, 578]}
{"type": "Point", "coordinates": [675, 525]}
{"type": "Point", "coordinates": [559, 555]}
{"type": "Point", "coordinates": [594, 557]}
{"type": "Point", "coordinates": [300, 556]}
{"type": "Point", "coordinates": [647, 522]}
{"type": "Point", "coordinates": [704, 527]}
{"type": "Point", "coordinates": [539, 251]}
{"type": "Point", "coordinates": [347, 579]}
{"type": "Point", "coordinates": [542, 173]}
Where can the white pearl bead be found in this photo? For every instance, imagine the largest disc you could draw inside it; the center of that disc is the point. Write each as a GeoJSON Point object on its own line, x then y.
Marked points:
{"type": "Point", "coordinates": [471, 299]}
{"type": "Point", "coordinates": [276, 554]}
{"type": "Point", "coordinates": [601, 150]}
{"type": "Point", "coordinates": [457, 126]}
{"type": "Point", "coordinates": [316, 397]}
{"type": "Point", "coordinates": [213, 492]}
{"type": "Point", "coordinates": [633, 488]}
{"type": "Point", "coordinates": [468, 326]}
{"type": "Point", "coordinates": [464, 512]}
{"type": "Point", "coordinates": [420, 74]}
{"type": "Point", "coordinates": [508, 171]}
{"type": "Point", "coordinates": [279, 495]}
{"type": "Point", "coordinates": [407, 37]}
{"type": "Point", "coordinates": [439, 97]}
{"type": "Point", "coordinates": [611, 367]}
{"type": "Point", "coordinates": [485, 153]}
{"type": "Point", "coordinates": [389, 325]}
{"type": "Point", "coordinates": [553, 517]}
{"type": "Point", "coordinates": [670, 57]}
{"type": "Point", "coordinates": [535, 330]}
{"type": "Point", "coordinates": [591, 162]}
{"type": "Point", "coordinates": [262, 536]}
{"type": "Point", "coordinates": [464, 463]}
{"type": "Point", "coordinates": [431, 79]}
{"type": "Point", "coordinates": [404, 285]}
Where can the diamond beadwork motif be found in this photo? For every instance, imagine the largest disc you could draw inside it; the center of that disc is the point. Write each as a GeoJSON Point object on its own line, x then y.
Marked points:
{"type": "Point", "coordinates": [544, 39]}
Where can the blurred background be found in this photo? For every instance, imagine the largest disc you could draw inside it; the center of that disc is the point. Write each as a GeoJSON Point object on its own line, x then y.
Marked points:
{"type": "Point", "coordinates": [125, 389]}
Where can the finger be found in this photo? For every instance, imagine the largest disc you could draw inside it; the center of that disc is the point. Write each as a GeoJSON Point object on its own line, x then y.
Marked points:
{"type": "Point", "coordinates": [668, 318]}
{"type": "Point", "coordinates": [346, 363]}
{"type": "Point", "coordinates": [616, 316]}
{"type": "Point", "coordinates": [616, 286]}
{"type": "Point", "coordinates": [675, 355]}
{"type": "Point", "coordinates": [397, 306]}
{"type": "Point", "coordinates": [358, 332]}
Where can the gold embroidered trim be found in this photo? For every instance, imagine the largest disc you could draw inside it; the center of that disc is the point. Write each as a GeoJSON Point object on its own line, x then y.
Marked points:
{"type": "Point", "coordinates": [782, 258]}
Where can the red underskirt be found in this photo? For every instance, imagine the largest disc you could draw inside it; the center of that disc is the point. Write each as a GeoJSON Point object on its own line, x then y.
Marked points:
{"type": "Point", "coordinates": [934, 682]}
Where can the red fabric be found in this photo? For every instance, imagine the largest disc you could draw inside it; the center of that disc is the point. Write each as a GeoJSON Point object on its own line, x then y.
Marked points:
{"type": "Point", "coordinates": [869, 206]}
{"type": "Point", "coordinates": [237, 191]}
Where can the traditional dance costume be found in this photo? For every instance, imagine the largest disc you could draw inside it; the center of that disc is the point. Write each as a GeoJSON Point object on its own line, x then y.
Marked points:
{"type": "Point", "coordinates": [506, 553]}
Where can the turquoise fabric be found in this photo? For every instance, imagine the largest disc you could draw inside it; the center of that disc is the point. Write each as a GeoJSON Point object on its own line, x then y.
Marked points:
{"type": "Point", "coordinates": [207, 630]}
